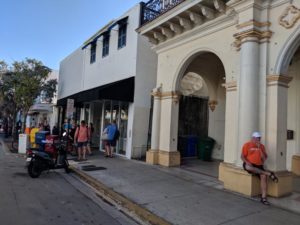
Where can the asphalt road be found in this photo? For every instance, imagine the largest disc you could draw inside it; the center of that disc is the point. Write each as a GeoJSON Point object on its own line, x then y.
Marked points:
{"type": "Point", "coordinates": [53, 198]}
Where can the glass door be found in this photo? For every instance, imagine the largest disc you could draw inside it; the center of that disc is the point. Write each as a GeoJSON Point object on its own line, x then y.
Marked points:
{"type": "Point", "coordinates": [115, 116]}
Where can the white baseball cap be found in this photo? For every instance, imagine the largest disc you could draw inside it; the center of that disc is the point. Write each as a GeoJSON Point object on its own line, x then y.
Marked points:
{"type": "Point", "coordinates": [256, 134]}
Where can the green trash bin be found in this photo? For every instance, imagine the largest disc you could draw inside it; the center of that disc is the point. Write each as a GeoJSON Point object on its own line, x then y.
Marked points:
{"type": "Point", "coordinates": [205, 147]}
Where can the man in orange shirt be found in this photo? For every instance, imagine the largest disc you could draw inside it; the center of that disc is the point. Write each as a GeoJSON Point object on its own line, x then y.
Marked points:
{"type": "Point", "coordinates": [254, 155]}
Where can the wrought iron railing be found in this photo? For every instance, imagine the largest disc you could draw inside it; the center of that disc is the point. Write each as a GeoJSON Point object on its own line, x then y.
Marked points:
{"type": "Point", "coordinates": [153, 8]}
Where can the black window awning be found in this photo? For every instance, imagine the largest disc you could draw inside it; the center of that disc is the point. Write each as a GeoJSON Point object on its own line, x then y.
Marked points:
{"type": "Point", "coordinates": [122, 90]}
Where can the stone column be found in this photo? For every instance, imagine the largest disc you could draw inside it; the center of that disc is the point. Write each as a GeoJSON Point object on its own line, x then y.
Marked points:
{"type": "Point", "coordinates": [248, 92]}
{"type": "Point", "coordinates": [231, 124]}
{"type": "Point", "coordinates": [155, 122]}
{"type": "Point", "coordinates": [168, 154]}
{"type": "Point", "coordinates": [276, 128]}
{"type": "Point", "coordinates": [277, 91]}
{"type": "Point", "coordinates": [152, 154]}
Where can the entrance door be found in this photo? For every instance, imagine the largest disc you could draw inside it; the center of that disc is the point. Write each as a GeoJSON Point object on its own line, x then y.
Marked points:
{"type": "Point", "coordinates": [193, 123]}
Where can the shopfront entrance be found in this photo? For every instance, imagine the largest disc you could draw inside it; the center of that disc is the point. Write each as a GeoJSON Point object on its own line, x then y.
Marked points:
{"type": "Point", "coordinates": [104, 112]}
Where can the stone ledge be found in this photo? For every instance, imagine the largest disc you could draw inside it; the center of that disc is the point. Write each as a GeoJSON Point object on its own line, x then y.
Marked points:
{"type": "Point", "coordinates": [238, 180]}
{"type": "Point", "coordinates": [169, 159]}
{"type": "Point", "coordinates": [152, 157]}
{"type": "Point", "coordinates": [163, 158]}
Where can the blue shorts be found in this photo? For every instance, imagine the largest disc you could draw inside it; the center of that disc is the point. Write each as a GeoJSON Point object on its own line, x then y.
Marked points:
{"type": "Point", "coordinates": [112, 143]}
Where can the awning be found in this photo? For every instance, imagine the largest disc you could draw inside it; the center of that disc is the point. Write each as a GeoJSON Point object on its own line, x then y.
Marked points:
{"type": "Point", "coordinates": [41, 107]}
{"type": "Point", "coordinates": [122, 90]}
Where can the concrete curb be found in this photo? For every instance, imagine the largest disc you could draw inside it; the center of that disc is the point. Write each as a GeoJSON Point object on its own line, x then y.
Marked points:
{"type": "Point", "coordinates": [127, 206]}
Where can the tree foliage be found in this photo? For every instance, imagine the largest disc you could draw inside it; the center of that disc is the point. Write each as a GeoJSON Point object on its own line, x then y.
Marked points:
{"type": "Point", "coordinates": [22, 83]}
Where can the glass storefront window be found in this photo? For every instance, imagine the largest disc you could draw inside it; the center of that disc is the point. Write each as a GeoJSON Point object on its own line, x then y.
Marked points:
{"type": "Point", "coordinates": [86, 113]}
{"type": "Point", "coordinates": [97, 121]}
{"type": "Point", "coordinates": [123, 127]}
{"type": "Point", "coordinates": [77, 115]}
{"type": "Point", "coordinates": [107, 113]}
{"type": "Point", "coordinates": [115, 111]}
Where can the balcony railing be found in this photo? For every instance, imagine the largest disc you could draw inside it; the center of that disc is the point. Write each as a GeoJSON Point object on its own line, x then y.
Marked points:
{"type": "Point", "coordinates": [153, 8]}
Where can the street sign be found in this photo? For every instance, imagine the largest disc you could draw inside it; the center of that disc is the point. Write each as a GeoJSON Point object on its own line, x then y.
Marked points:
{"type": "Point", "coordinates": [70, 108]}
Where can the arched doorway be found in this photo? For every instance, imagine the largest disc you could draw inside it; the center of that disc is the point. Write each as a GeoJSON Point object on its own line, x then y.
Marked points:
{"type": "Point", "coordinates": [288, 65]}
{"type": "Point", "coordinates": [293, 111]}
{"type": "Point", "coordinates": [201, 109]}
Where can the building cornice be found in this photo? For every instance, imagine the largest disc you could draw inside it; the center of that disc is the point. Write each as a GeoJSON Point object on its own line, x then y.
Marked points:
{"type": "Point", "coordinates": [206, 29]}
{"type": "Point", "coordinates": [184, 20]}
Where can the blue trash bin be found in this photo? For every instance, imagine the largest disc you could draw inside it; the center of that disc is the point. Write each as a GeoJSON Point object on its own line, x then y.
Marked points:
{"type": "Point", "coordinates": [191, 146]}
{"type": "Point", "coordinates": [40, 138]}
{"type": "Point", "coordinates": [187, 145]}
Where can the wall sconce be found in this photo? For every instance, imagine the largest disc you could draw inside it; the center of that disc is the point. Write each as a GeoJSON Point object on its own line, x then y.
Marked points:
{"type": "Point", "coordinates": [212, 104]}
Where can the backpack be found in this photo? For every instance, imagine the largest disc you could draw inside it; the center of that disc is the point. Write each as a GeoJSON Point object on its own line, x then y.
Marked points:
{"type": "Point", "coordinates": [117, 135]}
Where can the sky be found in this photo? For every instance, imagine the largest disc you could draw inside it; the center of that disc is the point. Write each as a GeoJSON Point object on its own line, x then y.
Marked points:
{"type": "Point", "coordinates": [49, 30]}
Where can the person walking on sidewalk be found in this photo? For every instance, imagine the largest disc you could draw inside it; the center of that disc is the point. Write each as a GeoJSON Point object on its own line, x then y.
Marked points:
{"type": "Point", "coordinates": [110, 143]}
{"type": "Point", "coordinates": [254, 155]}
{"type": "Point", "coordinates": [81, 137]}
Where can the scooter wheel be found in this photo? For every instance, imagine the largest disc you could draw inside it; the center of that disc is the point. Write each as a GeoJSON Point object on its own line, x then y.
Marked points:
{"type": "Point", "coordinates": [34, 170]}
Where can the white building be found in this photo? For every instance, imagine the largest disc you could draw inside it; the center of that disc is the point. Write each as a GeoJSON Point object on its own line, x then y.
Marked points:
{"type": "Point", "coordinates": [110, 77]}
{"type": "Point", "coordinates": [43, 112]}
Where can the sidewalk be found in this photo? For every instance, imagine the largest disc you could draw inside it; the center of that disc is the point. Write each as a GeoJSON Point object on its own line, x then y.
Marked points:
{"type": "Point", "coordinates": [179, 196]}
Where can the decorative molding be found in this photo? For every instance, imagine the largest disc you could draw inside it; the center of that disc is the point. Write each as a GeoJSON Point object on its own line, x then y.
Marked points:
{"type": "Point", "coordinates": [156, 94]}
{"type": "Point", "coordinates": [253, 35]}
{"type": "Point", "coordinates": [220, 5]}
{"type": "Point", "coordinates": [230, 86]}
{"type": "Point", "coordinates": [289, 17]}
{"type": "Point", "coordinates": [253, 23]}
{"type": "Point", "coordinates": [167, 95]}
{"type": "Point", "coordinates": [195, 18]}
{"type": "Point", "coordinates": [207, 28]}
{"type": "Point", "coordinates": [185, 23]}
{"type": "Point", "coordinates": [175, 28]}
{"type": "Point", "coordinates": [279, 80]}
{"type": "Point", "coordinates": [207, 12]}
{"type": "Point", "coordinates": [167, 32]}
{"type": "Point", "coordinates": [232, 2]}
{"type": "Point", "coordinates": [159, 36]}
